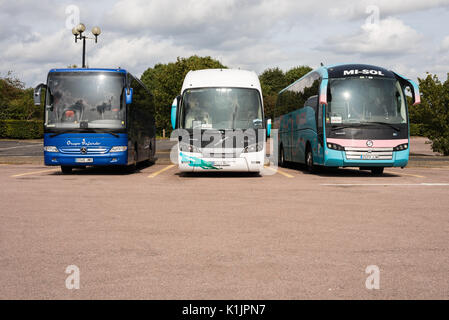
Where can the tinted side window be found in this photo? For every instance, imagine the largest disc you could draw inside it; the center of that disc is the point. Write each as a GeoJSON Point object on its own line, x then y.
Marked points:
{"type": "Point", "coordinates": [297, 94]}
{"type": "Point", "coordinates": [142, 109]}
{"type": "Point", "coordinates": [312, 102]}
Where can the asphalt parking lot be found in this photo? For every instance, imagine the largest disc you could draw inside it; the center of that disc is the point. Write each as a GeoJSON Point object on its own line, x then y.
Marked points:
{"type": "Point", "coordinates": [158, 234]}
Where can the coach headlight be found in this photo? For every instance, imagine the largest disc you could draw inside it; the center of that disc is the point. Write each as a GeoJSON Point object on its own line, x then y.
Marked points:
{"type": "Point", "coordinates": [118, 149]}
{"type": "Point", "coordinates": [401, 147]}
{"type": "Point", "coordinates": [51, 149]}
{"type": "Point", "coordinates": [335, 146]}
{"type": "Point", "coordinates": [253, 148]}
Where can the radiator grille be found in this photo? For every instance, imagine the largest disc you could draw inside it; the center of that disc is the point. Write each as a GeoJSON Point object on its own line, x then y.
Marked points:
{"type": "Point", "coordinates": [369, 153]}
{"type": "Point", "coordinates": [72, 150]}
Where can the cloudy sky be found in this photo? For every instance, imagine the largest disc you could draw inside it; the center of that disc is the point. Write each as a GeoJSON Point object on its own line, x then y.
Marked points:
{"type": "Point", "coordinates": [410, 37]}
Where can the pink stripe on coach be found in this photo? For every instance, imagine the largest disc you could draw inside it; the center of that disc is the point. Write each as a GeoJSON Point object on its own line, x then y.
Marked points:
{"type": "Point", "coordinates": [362, 143]}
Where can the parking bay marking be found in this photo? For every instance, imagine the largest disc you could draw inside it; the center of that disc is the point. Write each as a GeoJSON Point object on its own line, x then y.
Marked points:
{"type": "Point", "coordinates": [154, 174]}
{"type": "Point", "coordinates": [408, 174]}
{"type": "Point", "coordinates": [386, 184]}
{"type": "Point", "coordinates": [280, 172]}
{"type": "Point", "coordinates": [25, 146]}
{"type": "Point", "coordinates": [33, 172]}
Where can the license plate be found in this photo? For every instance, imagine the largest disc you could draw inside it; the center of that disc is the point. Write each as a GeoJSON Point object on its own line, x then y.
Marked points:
{"type": "Point", "coordinates": [221, 164]}
{"type": "Point", "coordinates": [84, 160]}
{"type": "Point", "coordinates": [369, 156]}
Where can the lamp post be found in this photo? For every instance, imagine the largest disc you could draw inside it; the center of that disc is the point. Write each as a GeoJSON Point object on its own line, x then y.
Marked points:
{"type": "Point", "coordinates": [78, 33]}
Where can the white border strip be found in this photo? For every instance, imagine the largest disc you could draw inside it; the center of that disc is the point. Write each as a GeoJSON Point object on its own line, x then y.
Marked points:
{"type": "Point", "coordinates": [387, 184]}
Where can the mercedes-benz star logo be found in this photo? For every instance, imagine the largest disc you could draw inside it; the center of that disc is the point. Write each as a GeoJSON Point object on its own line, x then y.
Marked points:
{"type": "Point", "coordinates": [83, 150]}
{"type": "Point", "coordinates": [369, 143]}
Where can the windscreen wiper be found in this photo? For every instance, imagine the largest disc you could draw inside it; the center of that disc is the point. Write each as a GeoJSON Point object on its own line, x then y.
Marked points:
{"type": "Point", "coordinates": [355, 125]}
{"type": "Point", "coordinates": [62, 132]}
{"type": "Point", "coordinates": [70, 131]}
{"type": "Point", "coordinates": [382, 123]}
{"type": "Point", "coordinates": [112, 133]}
{"type": "Point", "coordinates": [104, 131]}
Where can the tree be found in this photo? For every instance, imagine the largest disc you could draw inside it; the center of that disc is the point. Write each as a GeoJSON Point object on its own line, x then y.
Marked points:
{"type": "Point", "coordinates": [433, 112]}
{"type": "Point", "coordinates": [165, 82]}
{"type": "Point", "coordinates": [16, 102]}
{"type": "Point", "coordinates": [296, 73]}
{"type": "Point", "coordinates": [272, 80]}
{"type": "Point", "coordinates": [10, 88]}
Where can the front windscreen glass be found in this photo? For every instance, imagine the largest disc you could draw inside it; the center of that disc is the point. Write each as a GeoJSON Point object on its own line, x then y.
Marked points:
{"type": "Point", "coordinates": [221, 109]}
{"type": "Point", "coordinates": [363, 100]}
{"type": "Point", "coordinates": [85, 100]}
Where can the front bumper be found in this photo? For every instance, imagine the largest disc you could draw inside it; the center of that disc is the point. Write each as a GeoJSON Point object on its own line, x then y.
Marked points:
{"type": "Point", "coordinates": [246, 162]}
{"type": "Point", "coordinates": [335, 158]}
{"type": "Point", "coordinates": [106, 159]}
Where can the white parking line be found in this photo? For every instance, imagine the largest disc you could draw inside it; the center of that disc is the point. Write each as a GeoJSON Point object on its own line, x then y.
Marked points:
{"type": "Point", "coordinates": [285, 174]}
{"type": "Point", "coordinates": [408, 174]}
{"type": "Point", "coordinates": [28, 145]}
{"type": "Point", "coordinates": [33, 172]}
{"type": "Point", "coordinates": [387, 184]}
{"type": "Point", "coordinates": [154, 174]}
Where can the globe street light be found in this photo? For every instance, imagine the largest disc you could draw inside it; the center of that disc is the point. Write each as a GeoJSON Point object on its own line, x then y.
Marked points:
{"type": "Point", "coordinates": [78, 33]}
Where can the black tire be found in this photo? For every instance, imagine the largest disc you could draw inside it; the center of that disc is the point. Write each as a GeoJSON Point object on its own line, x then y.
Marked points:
{"type": "Point", "coordinates": [309, 161]}
{"type": "Point", "coordinates": [281, 158]}
{"type": "Point", "coordinates": [66, 169]}
{"type": "Point", "coordinates": [377, 171]}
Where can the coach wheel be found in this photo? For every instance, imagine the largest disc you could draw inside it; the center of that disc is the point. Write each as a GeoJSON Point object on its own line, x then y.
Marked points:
{"type": "Point", "coordinates": [377, 171]}
{"type": "Point", "coordinates": [309, 161]}
{"type": "Point", "coordinates": [66, 169]}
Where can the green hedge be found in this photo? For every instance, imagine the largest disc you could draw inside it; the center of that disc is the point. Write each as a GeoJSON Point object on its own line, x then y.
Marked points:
{"type": "Point", "coordinates": [21, 129]}
{"type": "Point", "coordinates": [417, 129]}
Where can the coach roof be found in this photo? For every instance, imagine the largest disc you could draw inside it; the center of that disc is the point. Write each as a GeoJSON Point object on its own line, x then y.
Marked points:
{"type": "Point", "coordinates": [357, 70]}
{"type": "Point", "coordinates": [232, 78]}
{"type": "Point", "coordinates": [88, 70]}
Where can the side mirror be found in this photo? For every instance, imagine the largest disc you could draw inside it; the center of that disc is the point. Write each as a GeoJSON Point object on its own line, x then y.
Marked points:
{"type": "Point", "coordinates": [268, 127]}
{"type": "Point", "coordinates": [415, 92]}
{"type": "Point", "coordinates": [323, 92]}
{"type": "Point", "coordinates": [413, 87]}
{"type": "Point", "coordinates": [37, 93]}
{"type": "Point", "coordinates": [129, 95]}
{"type": "Point", "coordinates": [174, 111]}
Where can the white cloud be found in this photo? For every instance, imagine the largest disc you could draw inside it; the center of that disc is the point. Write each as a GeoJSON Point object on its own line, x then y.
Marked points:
{"type": "Point", "coordinates": [59, 46]}
{"type": "Point", "coordinates": [388, 36]}
{"type": "Point", "coordinates": [202, 22]}
{"type": "Point", "coordinates": [251, 34]}
{"type": "Point", "coordinates": [445, 45]}
{"type": "Point", "coordinates": [349, 10]}
{"type": "Point", "coordinates": [136, 54]}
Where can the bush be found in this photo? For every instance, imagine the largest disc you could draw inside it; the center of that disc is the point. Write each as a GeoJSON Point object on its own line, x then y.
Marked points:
{"type": "Point", "coordinates": [165, 82]}
{"type": "Point", "coordinates": [433, 113]}
{"type": "Point", "coordinates": [417, 129]}
{"type": "Point", "coordinates": [21, 129]}
{"type": "Point", "coordinates": [440, 143]}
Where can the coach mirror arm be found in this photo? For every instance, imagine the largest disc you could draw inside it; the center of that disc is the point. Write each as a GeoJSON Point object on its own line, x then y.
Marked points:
{"type": "Point", "coordinates": [268, 127]}
{"type": "Point", "coordinates": [174, 111]}
{"type": "Point", "coordinates": [129, 95]}
{"type": "Point", "coordinates": [37, 93]}
{"type": "Point", "coordinates": [416, 97]}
